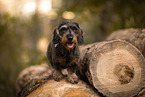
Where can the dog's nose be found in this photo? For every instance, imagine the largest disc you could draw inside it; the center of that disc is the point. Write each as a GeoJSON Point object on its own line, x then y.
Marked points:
{"type": "Point", "coordinates": [69, 37]}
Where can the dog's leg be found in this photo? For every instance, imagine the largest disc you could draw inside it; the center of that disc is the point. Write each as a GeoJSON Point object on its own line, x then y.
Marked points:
{"type": "Point", "coordinates": [71, 76]}
{"type": "Point", "coordinates": [57, 75]}
{"type": "Point", "coordinates": [64, 72]}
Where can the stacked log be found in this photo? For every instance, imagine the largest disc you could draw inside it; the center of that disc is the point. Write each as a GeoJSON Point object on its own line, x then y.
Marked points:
{"type": "Point", "coordinates": [112, 68]}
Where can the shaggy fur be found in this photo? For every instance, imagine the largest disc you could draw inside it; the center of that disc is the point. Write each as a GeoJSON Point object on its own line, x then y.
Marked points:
{"type": "Point", "coordinates": [63, 51]}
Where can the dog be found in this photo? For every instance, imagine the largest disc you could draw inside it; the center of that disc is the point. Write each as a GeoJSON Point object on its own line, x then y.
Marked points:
{"type": "Point", "coordinates": [63, 51]}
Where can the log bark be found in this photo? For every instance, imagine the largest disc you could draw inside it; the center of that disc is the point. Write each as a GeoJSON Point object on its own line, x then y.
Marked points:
{"type": "Point", "coordinates": [114, 68]}
{"type": "Point", "coordinates": [133, 36]}
{"type": "Point", "coordinates": [31, 78]}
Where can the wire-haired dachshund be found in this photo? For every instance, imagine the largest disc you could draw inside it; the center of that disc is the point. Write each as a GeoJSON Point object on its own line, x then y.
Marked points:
{"type": "Point", "coordinates": [63, 51]}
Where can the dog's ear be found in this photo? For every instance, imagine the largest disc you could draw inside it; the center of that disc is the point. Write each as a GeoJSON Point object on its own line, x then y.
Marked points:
{"type": "Point", "coordinates": [80, 38]}
{"type": "Point", "coordinates": [56, 38]}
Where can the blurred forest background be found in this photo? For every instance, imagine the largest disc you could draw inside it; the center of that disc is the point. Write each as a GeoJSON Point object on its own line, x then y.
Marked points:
{"type": "Point", "coordinates": [26, 28]}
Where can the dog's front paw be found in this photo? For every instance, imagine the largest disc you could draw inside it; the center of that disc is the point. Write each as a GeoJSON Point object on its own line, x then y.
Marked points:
{"type": "Point", "coordinates": [73, 78]}
{"type": "Point", "coordinates": [57, 76]}
{"type": "Point", "coordinates": [64, 72]}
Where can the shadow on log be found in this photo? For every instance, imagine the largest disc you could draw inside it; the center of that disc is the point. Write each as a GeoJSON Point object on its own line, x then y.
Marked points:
{"type": "Point", "coordinates": [114, 68]}
{"type": "Point", "coordinates": [133, 36]}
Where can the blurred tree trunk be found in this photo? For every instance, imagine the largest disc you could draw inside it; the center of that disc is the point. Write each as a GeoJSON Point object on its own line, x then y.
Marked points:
{"type": "Point", "coordinates": [106, 17]}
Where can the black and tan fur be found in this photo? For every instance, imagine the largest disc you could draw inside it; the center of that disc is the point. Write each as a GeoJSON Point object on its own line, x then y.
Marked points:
{"type": "Point", "coordinates": [63, 51]}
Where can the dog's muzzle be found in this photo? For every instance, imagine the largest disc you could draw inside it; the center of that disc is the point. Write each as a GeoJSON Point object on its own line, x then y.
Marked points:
{"type": "Point", "coordinates": [70, 42]}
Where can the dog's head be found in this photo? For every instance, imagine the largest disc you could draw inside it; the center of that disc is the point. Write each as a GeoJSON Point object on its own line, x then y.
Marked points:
{"type": "Point", "coordinates": [69, 34]}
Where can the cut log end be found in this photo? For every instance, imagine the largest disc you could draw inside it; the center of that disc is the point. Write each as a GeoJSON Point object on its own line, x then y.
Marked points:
{"type": "Point", "coordinates": [117, 69]}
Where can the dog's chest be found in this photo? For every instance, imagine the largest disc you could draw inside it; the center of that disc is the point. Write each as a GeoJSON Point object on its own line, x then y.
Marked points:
{"type": "Point", "coordinates": [66, 58]}
{"type": "Point", "coordinates": [66, 61]}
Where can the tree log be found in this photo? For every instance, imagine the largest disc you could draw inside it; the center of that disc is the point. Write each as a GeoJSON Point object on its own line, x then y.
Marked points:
{"type": "Point", "coordinates": [114, 68]}
{"type": "Point", "coordinates": [133, 36]}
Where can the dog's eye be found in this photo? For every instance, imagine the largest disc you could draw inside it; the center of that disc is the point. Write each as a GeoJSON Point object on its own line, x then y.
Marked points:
{"type": "Point", "coordinates": [74, 28]}
{"type": "Point", "coordinates": [62, 31]}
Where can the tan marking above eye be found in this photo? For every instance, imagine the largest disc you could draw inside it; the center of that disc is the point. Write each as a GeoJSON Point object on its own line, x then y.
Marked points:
{"type": "Point", "coordinates": [64, 26]}
{"type": "Point", "coordinates": [63, 29]}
